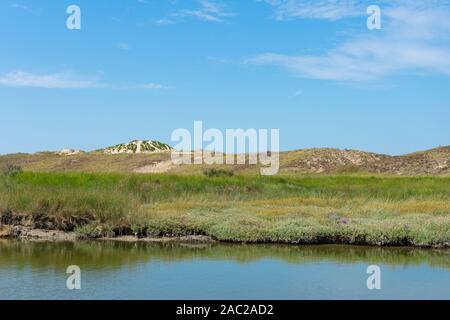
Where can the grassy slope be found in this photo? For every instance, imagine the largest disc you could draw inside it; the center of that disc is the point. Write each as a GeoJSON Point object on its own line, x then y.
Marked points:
{"type": "Point", "coordinates": [304, 209]}
{"type": "Point", "coordinates": [91, 162]}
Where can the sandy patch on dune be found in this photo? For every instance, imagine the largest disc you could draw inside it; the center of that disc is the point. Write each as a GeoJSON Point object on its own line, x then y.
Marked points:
{"type": "Point", "coordinates": [157, 167]}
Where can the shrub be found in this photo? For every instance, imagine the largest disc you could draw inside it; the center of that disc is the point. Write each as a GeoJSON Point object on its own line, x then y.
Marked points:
{"type": "Point", "coordinates": [213, 173]}
{"type": "Point", "coordinates": [11, 170]}
{"type": "Point", "coordinates": [94, 231]}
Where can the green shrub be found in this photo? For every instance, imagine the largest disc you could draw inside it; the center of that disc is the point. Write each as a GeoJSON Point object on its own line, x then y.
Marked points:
{"type": "Point", "coordinates": [214, 173]}
{"type": "Point", "coordinates": [94, 231]}
{"type": "Point", "coordinates": [10, 170]}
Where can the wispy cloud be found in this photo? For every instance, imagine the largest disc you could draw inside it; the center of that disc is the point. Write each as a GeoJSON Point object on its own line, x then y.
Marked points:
{"type": "Point", "coordinates": [164, 22]}
{"type": "Point", "coordinates": [315, 9]}
{"type": "Point", "coordinates": [152, 86]}
{"type": "Point", "coordinates": [24, 7]}
{"type": "Point", "coordinates": [413, 41]}
{"type": "Point", "coordinates": [207, 11]}
{"type": "Point", "coordinates": [48, 81]}
{"type": "Point", "coordinates": [23, 79]}
{"type": "Point", "coordinates": [338, 9]}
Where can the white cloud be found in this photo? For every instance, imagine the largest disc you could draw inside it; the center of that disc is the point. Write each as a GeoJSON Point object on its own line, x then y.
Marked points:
{"type": "Point", "coordinates": [49, 81]}
{"type": "Point", "coordinates": [363, 60]}
{"type": "Point", "coordinates": [208, 11]}
{"type": "Point", "coordinates": [164, 22]}
{"type": "Point", "coordinates": [339, 9]}
{"type": "Point", "coordinates": [64, 81]}
{"type": "Point", "coordinates": [316, 9]}
{"type": "Point", "coordinates": [152, 86]}
{"type": "Point", "coordinates": [24, 7]}
{"type": "Point", "coordinates": [414, 40]}
{"type": "Point", "coordinates": [419, 22]}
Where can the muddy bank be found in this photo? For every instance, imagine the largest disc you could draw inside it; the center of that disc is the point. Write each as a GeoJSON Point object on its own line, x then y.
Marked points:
{"type": "Point", "coordinates": [41, 227]}
{"type": "Point", "coordinates": [27, 233]}
{"type": "Point", "coordinates": [35, 235]}
{"type": "Point", "coordinates": [42, 221]}
{"type": "Point", "coordinates": [30, 234]}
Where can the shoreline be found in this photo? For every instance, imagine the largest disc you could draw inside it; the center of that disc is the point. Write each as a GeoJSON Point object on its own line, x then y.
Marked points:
{"type": "Point", "coordinates": [17, 232]}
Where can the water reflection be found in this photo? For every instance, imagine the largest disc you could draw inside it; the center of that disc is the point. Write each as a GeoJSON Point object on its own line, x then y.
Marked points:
{"type": "Point", "coordinates": [122, 270]}
{"type": "Point", "coordinates": [116, 254]}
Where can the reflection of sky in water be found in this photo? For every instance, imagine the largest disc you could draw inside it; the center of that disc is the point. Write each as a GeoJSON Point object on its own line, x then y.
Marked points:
{"type": "Point", "coordinates": [204, 278]}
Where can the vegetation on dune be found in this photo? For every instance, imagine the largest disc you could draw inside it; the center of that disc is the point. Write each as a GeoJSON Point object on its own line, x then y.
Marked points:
{"type": "Point", "coordinates": [136, 155]}
{"type": "Point", "coordinates": [137, 146]}
{"type": "Point", "coordinates": [308, 209]}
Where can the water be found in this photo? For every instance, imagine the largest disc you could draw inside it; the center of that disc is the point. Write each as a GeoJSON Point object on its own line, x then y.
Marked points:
{"type": "Point", "coordinates": [113, 270]}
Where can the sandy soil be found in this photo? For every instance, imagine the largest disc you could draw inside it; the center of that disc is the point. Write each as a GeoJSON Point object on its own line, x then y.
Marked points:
{"type": "Point", "coordinates": [159, 167]}
{"type": "Point", "coordinates": [25, 233]}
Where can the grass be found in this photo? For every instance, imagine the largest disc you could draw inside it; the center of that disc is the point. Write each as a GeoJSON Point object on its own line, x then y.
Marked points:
{"type": "Point", "coordinates": [375, 210]}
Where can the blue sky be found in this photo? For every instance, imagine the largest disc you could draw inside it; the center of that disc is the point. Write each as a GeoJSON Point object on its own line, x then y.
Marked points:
{"type": "Point", "coordinates": [141, 69]}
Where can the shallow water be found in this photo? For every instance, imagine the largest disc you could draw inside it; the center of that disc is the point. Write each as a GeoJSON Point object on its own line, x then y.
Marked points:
{"type": "Point", "coordinates": [113, 270]}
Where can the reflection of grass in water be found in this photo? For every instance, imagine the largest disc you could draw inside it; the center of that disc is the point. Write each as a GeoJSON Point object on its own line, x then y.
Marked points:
{"type": "Point", "coordinates": [101, 255]}
{"type": "Point", "coordinates": [310, 209]}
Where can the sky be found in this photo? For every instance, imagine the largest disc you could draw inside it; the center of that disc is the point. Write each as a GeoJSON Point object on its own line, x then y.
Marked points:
{"type": "Point", "coordinates": [139, 69]}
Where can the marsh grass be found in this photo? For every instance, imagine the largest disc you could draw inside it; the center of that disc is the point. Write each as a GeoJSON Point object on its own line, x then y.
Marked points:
{"type": "Point", "coordinates": [245, 208]}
